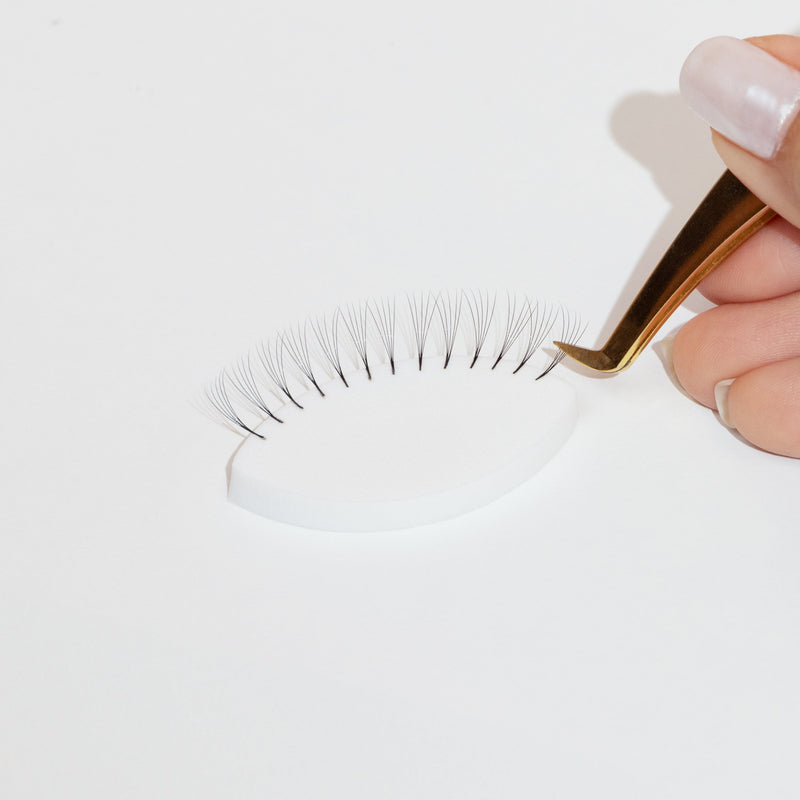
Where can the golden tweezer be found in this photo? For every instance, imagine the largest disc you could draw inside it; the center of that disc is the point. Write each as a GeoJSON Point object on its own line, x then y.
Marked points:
{"type": "Point", "coordinates": [728, 216]}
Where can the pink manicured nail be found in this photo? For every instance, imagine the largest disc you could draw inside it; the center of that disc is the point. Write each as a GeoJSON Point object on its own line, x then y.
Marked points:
{"type": "Point", "coordinates": [742, 92]}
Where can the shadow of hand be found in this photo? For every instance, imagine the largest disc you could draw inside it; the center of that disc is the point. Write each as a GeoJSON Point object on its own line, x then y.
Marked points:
{"type": "Point", "coordinates": [667, 138]}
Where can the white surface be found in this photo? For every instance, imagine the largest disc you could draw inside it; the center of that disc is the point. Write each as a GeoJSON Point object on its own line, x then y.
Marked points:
{"type": "Point", "coordinates": [404, 449]}
{"type": "Point", "coordinates": [182, 179]}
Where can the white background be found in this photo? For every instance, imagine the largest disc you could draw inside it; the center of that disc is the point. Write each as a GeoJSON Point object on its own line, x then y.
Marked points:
{"type": "Point", "coordinates": [181, 179]}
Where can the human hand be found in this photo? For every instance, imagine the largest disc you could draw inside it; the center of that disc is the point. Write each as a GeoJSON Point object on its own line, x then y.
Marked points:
{"type": "Point", "coordinates": [743, 357]}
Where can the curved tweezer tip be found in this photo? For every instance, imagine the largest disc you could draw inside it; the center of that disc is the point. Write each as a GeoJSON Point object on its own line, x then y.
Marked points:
{"type": "Point", "coordinates": [594, 359]}
{"type": "Point", "coordinates": [728, 216]}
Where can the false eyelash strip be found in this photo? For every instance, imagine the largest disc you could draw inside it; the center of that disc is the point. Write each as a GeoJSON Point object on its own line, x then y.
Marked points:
{"type": "Point", "coordinates": [413, 409]}
{"type": "Point", "coordinates": [532, 323]}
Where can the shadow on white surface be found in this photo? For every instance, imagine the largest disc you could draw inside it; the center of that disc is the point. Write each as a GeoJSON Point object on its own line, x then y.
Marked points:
{"type": "Point", "coordinates": [662, 134]}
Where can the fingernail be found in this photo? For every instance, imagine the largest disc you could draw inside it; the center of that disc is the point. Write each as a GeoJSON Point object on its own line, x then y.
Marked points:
{"type": "Point", "coordinates": [742, 92]}
{"type": "Point", "coordinates": [665, 349]}
{"type": "Point", "coordinates": [721, 391]}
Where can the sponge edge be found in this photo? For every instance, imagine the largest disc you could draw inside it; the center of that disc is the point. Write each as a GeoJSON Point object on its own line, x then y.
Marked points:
{"type": "Point", "coordinates": [402, 450]}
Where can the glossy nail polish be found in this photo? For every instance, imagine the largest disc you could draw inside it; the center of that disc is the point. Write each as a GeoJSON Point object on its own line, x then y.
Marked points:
{"type": "Point", "coordinates": [743, 92]}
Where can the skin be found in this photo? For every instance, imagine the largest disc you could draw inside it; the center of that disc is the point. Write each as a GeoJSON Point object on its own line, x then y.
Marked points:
{"type": "Point", "coordinates": [753, 335]}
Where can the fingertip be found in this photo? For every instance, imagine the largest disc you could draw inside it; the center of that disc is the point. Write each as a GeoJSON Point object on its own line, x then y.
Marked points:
{"type": "Point", "coordinates": [687, 349]}
{"type": "Point", "coordinates": [764, 406]}
{"type": "Point", "coordinates": [734, 339]}
{"type": "Point", "coordinates": [765, 266]}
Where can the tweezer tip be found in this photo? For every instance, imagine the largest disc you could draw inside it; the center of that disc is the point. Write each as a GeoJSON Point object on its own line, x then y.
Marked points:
{"type": "Point", "coordinates": [594, 359]}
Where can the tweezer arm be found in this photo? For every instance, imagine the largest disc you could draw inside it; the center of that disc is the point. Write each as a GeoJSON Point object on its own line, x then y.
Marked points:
{"type": "Point", "coordinates": [728, 216]}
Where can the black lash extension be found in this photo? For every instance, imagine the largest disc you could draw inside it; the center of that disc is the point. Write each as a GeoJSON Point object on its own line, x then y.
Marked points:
{"type": "Point", "coordinates": [327, 334]}
{"type": "Point", "coordinates": [421, 309]}
{"type": "Point", "coordinates": [384, 315]}
{"type": "Point", "coordinates": [241, 377]}
{"type": "Point", "coordinates": [217, 394]}
{"type": "Point", "coordinates": [356, 322]}
{"type": "Point", "coordinates": [449, 307]}
{"type": "Point", "coordinates": [571, 332]}
{"type": "Point", "coordinates": [296, 345]}
{"type": "Point", "coordinates": [481, 311]}
{"type": "Point", "coordinates": [540, 322]}
{"type": "Point", "coordinates": [274, 366]}
{"type": "Point", "coordinates": [516, 321]}
{"type": "Point", "coordinates": [410, 449]}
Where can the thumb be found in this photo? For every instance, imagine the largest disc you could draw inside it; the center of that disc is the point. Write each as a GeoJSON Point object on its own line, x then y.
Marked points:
{"type": "Point", "coordinates": [749, 92]}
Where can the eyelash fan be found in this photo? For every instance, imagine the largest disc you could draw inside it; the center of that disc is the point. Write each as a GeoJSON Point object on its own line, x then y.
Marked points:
{"type": "Point", "coordinates": [396, 412]}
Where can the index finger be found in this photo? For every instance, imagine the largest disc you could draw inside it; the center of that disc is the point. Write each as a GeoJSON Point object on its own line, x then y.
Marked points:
{"type": "Point", "coordinates": [765, 266]}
